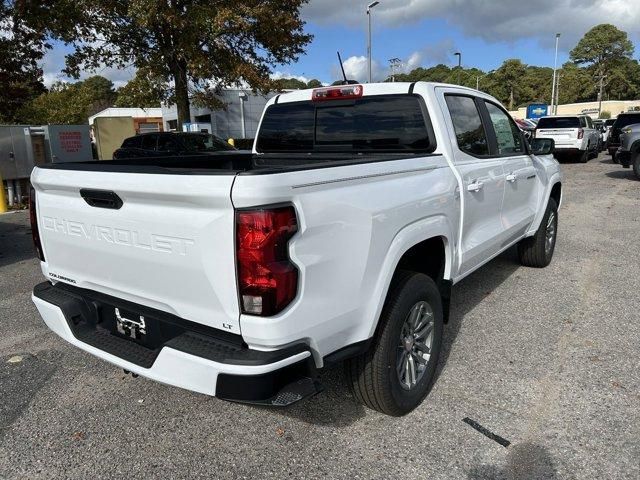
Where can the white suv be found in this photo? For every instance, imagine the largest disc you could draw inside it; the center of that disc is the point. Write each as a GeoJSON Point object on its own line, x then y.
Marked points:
{"type": "Point", "coordinates": [573, 135]}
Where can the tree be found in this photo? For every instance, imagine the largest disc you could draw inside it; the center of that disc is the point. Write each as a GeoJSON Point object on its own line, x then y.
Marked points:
{"type": "Point", "coordinates": [70, 103]}
{"type": "Point", "coordinates": [289, 84]}
{"type": "Point", "coordinates": [507, 83]}
{"type": "Point", "coordinates": [314, 83]}
{"type": "Point", "coordinates": [21, 49]}
{"type": "Point", "coordinates": [602, 47]}
{"type": "Point", "coordinates": [200, 46]}
{"type": "Point", "coordinates": [144, 91]}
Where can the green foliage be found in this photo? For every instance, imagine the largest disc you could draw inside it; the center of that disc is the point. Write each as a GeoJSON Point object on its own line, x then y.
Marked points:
{"type": "Point", "coordinates": [70, 103]}
{"type": "Point", "coordinates": [601, 48]}
{"type": "Point", "coordinates": [142, 91]}
{"type": "Point", "coordinates": [605, 114]}
{"type": "Point", "coordinates": [288, 84]}
{"type": "Point", "coordinates": [21, 49]}
{"type": "Point", "coordinates": [201, 46]}
{"type": "Point", "coordinates": [314, 83]}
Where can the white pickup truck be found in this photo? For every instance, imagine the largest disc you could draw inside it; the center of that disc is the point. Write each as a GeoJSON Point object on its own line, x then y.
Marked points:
{"type": "Point", "coordinates": [338, 239]}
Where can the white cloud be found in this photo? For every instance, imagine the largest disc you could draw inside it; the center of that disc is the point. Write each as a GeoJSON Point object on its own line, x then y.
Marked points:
{"type": "Point", "coordinates": [357, 68]}
{"type": "Point", "coordinates": [498, 20]}
{"type": "Point", "coordinates": [280, 75]}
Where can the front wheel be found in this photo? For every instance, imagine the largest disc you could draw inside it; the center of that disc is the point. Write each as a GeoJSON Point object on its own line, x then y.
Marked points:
{"type": "Point", "coordinates": [396, 373]}
{"type": "Point", "coordinates": [537, 251]}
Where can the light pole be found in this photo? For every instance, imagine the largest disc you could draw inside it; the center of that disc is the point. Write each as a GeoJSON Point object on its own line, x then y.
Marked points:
{"type": "Point", "coordinates": [394, 64]}
{"type": "Point", "coordinates": [459, 55]}
{"type": "Point", "coordinates": [369, 7]}
{"type": "Point", "coordinates": [554, 107]}
{"type": "Point", "coordinates": [478, 77]}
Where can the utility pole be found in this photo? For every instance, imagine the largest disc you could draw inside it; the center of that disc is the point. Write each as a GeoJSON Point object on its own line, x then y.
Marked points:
{"type": "Point", "coordinates": [600, 93]}
{"type": "Point", "coordinates": [553, 87]}
{"type": "Point", "coordinates": [394, 64]}
{"type": "Point", "coordinates": [459, 55]}
{"type": "Point", "coordinates": [557, 94]}
{"type": "Point", "coordinates": [369, 7]}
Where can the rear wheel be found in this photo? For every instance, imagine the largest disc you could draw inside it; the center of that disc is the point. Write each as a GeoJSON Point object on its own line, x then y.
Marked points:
{"type": "Point", "coordinates": [636, 164]}
{"type": "Point", "coordinates": [397, 371]}
{"type": "Point", "coordinates": [583, 157]}
{"type": "Point", "coordinates": [537, 251]}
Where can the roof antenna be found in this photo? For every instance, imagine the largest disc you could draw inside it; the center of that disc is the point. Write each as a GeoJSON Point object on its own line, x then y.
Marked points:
{"type": "Point", "coordinates": [344, 75]}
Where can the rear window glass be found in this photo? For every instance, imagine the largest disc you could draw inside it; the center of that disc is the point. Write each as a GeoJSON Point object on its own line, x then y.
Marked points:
{"type": "Point", "coordinates": [559, 122]}
{"type": "Point", "coordinates": [384, 124]}
{"type": "Point", "coordinates": [626, 120]}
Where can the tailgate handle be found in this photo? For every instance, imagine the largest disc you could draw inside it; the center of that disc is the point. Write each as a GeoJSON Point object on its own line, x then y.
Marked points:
{"type": "Point", "coordinates": [101, 198]}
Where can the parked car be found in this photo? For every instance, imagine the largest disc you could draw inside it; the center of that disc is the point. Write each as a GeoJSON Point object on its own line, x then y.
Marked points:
{"type": "Point", "coordinates": [338, 239]}
{"type": "Point", "coordinates": [623, 120]}
{"type": "Point", "coordinates": [608, 123]}
{"type": "Point", "coordinates": [573, 135]}
{"type": "Point", "coordinates": [164, 144]}
{"type": "Point", "coordinates": [629, 152]}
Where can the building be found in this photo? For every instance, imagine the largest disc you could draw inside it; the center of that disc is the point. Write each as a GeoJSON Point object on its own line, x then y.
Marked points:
{"type": "Point", "coordinates": [144, 119]}
{"type": "Point", "coordinates": [614, 107]}
{"type": "Point", "coordinates": [239, 119]}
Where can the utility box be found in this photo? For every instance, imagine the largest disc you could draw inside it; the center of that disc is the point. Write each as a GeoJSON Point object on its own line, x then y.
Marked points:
{"type": "Point", "coordinates": [110, 132]}
{"type": "Point", "coordinates": [68, 143]}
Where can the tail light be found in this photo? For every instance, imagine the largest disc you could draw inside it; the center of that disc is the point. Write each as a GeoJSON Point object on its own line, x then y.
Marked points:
{"type": "Point", "coordinates": [33, 217]}
{"type": "Point", "coordinates": [580, 133]}
{"type": "Point", "coordinates": [267, 279]}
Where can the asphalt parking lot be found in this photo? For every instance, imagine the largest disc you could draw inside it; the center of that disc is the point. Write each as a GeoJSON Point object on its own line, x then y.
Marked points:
{"type": "Point", "coordinates": [546, 359]}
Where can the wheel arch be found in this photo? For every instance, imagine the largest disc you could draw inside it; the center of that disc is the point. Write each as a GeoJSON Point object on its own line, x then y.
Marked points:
{"type": "Point", "coordinates": [425, 246]}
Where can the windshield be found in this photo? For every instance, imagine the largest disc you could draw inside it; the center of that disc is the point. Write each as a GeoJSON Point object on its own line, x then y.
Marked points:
{"type": "Point", "coordinates": [609, 122]}
{"type": "Point", "coordinates": [559, 122]}
{"type": "Point", "coordinates": [390, 123]}
{"type": "Point", "coordinates": [204, 142]}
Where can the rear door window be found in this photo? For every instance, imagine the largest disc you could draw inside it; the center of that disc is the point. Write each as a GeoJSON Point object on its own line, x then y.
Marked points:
{"type": "Point", "coordinates": [559, 122]}
{"type": "Point", "coordinates": [470, 134]}
{"type": "Point", "coordinates": [167, 143]}
{"type": "Point", "coordinates": [390, 123]}
{"type": "Point", "coordinates": [626, 119]}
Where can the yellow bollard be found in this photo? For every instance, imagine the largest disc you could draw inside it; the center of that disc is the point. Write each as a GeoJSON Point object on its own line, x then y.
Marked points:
{"type": "Point", "coordinates": [3, 197]}
{"type": "Point", "coordinates": [231, 142]}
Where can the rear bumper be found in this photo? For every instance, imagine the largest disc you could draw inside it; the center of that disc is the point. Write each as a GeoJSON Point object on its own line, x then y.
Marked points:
{"type": "Point", "coordinates": [192, 360]}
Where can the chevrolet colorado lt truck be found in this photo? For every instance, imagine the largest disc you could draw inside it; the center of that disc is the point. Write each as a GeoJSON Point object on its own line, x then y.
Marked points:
{"type": "Point", "coordinates": [337, 239]}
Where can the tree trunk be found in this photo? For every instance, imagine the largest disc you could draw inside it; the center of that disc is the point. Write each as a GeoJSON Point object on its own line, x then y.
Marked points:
{"type": "Point", "coordinates": [511, 100]}
{"type": "Point", "coordinates": [182, 93]}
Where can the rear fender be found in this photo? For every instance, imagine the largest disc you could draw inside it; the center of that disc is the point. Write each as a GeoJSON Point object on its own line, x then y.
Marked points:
{"type": "Point", "coordinates": [409, 236]}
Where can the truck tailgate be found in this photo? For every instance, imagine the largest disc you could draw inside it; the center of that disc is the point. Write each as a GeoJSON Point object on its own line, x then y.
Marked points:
{"type": "Point", "coordinates": [170, 246]}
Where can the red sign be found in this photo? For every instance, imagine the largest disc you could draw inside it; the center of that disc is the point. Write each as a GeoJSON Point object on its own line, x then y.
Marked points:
{"type": "Point", "coordinates": [70, 142]}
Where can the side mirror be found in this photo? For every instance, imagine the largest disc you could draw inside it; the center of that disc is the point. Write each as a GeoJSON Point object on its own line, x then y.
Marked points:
{"type": "Point", "coordinates": [543, 146]}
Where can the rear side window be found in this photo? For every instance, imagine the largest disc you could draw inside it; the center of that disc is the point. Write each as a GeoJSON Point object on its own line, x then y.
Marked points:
{"type": "Point", "coordinates": [132, 142]}
{"type": "Point", "coordinates": [167, 143]}
{"type": "Point", "coordinates": [390, 123]}
{"type": "Point", "coordinates": [149, 142]}
{"type": "Point", "coordinates": [559, 122]}
{"type": "Point", "coordinates": [467, 124]}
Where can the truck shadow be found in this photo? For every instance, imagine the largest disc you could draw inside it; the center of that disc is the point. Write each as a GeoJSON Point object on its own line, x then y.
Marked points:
{"type": "Point", "coordinates": [15, 239]}
{"type": "Point", "coordinates": [336, 406]}
{"type": "Point", "coordinates": [525, 461]}
{"type": "Point", "coordinates": [467, 294]}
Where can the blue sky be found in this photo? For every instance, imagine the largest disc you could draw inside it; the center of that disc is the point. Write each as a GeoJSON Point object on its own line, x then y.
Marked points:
{"type": "Point", "coordinates": [428, 32]}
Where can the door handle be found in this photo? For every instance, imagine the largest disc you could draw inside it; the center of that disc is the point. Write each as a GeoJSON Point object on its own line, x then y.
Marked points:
{"type": "Point", "coordinates": [475, 186]}
{"type": "Point", "coordinates": [512, 177]}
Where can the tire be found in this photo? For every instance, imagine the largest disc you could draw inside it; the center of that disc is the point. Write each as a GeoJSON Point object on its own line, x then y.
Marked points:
{"type": "Point", "coordinates": [636, 165]}
{"type": "Point", "coordinates": [374, 376]}
{"type": "Point", "coordinates": [583, 157]}
{"type": "Point", "coordinates": [534, 251]}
